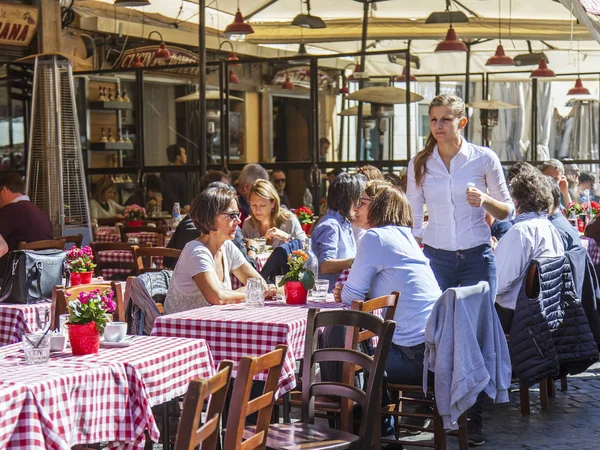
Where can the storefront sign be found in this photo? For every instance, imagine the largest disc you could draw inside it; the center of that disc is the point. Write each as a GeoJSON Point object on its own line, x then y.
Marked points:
{"type": "Point", "coordinates": [146, 55]}
{"type": "Point", "coordinates": [17, 24]}
{"type": "Point", "coordinates": [300, 76]}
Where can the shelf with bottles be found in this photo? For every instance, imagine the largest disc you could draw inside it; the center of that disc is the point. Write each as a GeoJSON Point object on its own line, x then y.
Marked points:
{"type": "Point", "coordinates": [107, 141]}
{"type": "Point", "coordinates": [106, 99]}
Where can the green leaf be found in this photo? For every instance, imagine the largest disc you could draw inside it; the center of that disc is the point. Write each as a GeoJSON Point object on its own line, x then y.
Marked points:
{"type": "Point", "coordinates": [307, 279]}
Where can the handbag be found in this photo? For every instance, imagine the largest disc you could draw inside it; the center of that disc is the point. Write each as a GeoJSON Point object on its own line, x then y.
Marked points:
{"type": "Point", "coordinates": [31, 275]}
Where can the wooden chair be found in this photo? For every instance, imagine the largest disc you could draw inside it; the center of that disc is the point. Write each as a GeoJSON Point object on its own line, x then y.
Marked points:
{"type": "Point", "coordinates": [98, 247]}
{"type": "Point", "coordinates": [75, 239]}
{"type": "Point", "coordinates": [60, 299]}
{"type": "Point", "coordinates": [58, 244]}
{"type": "Point", "coordinates": [236, 436]}
{"type": "Point", "coordinates": [191, 433]}
{"type": "Point", "coordinates": [143, 257]}
{"type": "Point", "coordinates": [305, 434]}
{"type": "Point", "coordinates": [160, 232]}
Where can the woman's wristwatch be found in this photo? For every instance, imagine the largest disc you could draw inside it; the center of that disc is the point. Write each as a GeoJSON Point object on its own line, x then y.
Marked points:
{"type": "Point", "coordinates": [253, 249]}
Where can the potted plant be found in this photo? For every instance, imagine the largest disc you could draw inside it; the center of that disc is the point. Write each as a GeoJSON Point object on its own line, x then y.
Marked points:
{"type": "Point", "coordinates": [134, 214]}
{"type": "Point", "coordinates": [88, 315]}
{"type": "Point", "coordinates": [306, 218]}
{"type": "Point", "coordinates": [81, 265]}
{"type": "Point", "coordinates": [298, 280]}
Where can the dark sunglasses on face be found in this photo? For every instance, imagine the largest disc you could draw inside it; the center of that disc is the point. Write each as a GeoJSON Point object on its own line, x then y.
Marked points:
{"type": "Point", "coordinates": [233, 215]}
{"type": "Point", "coordinates": [279, 180]}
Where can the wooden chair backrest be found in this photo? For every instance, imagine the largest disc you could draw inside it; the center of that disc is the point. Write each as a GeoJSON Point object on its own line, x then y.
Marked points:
{"type": "Point", "coordinates": [58, 244]}
{"type": "Point", "coordinates": [156, 230]}
{"type": "Point", "coordinates": [98, 247]}
{"type": "Point", "coordinates": [390, 302]}
{"type": "Point", "coordinates": [370, 399]}
{"type": "Point", "coordinates": [191, 432]}
{"type": "Point", "coordinates": [60, 299]}
{"type": "Point", "coordinates": [146, 254]}
{"type": "Point", "coordinates": [248, 368]}
{"type": "Point", "coordinates": [75, 239]}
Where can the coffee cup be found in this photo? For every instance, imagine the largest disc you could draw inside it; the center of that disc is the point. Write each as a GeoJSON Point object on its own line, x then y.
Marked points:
{"type": "Point", "coordinates": [115, 331]}
{"type": "Point", "coordinates": [58, 343]}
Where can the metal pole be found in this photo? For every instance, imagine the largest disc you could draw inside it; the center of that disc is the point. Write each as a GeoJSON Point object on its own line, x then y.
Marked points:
{"type": "Point", "coordinates": [226, 139]}
{"type": "Point", "coordinates": [361, 84]}
{"type": "Point", "coordinates": [342, 123]}
{"type": "Point", "coordinates": [222, 109]}
{"type": "Point", "coordinates": [139, 117]}
{"type": "Point", "coordinates": [437, 85]}
{"type": "Point", "coordinates": [534, 118]}
{"type": "Point", "coordinates": [467, 85]}
{"type": "Point", "coordinates": [313, 138]}
{"type": "Point", "coordinates": [408, 130]}
{"type": "Point", "coordinates": [202, 84]}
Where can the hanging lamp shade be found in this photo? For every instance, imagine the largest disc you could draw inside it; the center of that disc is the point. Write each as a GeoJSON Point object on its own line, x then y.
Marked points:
{"type": "Point", "coordinates": [451, 43]}
{"type": "Point", "coordinates": [402, 78]}
{"type": "Point", "coordinates": [137, 63]}
{"type": "Point", "coordinates": [288, 83]}
{"type": "Point", "coordinates": [234, 59]}
{"type": "Point", "coordinates": [162, 52]}
{"type": "Point", "coordinates": [344, 89]}
{"type": "Point", "coordinates": [308, 21]}
{"type": "Point", "coordinates": [542, 71]}
{"type": "Point", "coordinates": [358, 74]}
{"type": "Point", "coordinates": [500, 58]}
{"type": "Point", "coordinates": [578, 89]}
{"type": "Point", "coordinates": [238, 29]}
{"type": "Point", "coordinates": [132, 3]}
{"type": "Point", "coordinates": [233, 78]}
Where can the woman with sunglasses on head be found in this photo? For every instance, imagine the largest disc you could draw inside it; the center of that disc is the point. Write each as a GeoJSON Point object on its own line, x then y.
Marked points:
{"type": "Point", "coordinates": [202, 276]}
{"type": "Point", "coordinates": [453, 178]}
{"type": "Point", "coordinates": [268, 219]}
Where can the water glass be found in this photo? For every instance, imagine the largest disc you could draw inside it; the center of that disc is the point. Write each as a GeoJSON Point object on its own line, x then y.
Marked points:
{"type": "Point", "coordinates": [320, 291]}
{"type": "Point", "coordinates": [42, 317]}
{"type": "Point", "coordinates": [261, 243]}
{"type": "Point", "coordinates": [62, 325]}
{"type": "Point", "coordinates": [36, 347]}
{"type": "Point", "coordinates": [255, 295]}
{"type": "Point", "coordinates": [280, 290]}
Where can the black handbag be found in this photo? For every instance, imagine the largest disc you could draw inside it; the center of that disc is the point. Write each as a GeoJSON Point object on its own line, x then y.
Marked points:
{"type": "Point", "coordinates": [31, 275]}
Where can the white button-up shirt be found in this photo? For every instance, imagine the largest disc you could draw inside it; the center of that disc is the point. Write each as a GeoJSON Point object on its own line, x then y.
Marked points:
{"type": "Point", "coordinates": [453, 224]}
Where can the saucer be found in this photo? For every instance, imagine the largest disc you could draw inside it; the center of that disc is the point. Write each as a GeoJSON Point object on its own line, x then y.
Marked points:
{"type": "Point", "coordinates": [119, 344]}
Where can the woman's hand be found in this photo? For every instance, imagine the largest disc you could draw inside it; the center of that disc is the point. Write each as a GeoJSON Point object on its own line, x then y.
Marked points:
{"type": "Point", "coordinates": [276, 233]}
{"type": "Point", "coordinates": [337, 292]}
{"type": "Point", "coordinates": [476, 198]}
{"type": "Point", "coordinates": [270, 292]}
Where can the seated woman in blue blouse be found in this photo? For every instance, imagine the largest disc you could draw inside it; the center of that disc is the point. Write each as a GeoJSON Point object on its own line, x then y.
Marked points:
{"type": "Point", "coordinates": [332, 239]}
{"type": "Point", "coordinates": [389, 259]}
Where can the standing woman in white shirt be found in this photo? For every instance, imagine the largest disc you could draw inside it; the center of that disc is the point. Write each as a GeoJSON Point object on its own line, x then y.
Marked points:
{"type": "Point", "coordinates": [453, 178]}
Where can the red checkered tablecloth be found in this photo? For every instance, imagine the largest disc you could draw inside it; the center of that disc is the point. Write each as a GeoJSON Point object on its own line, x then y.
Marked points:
{"type": "Point", "coordinates": [592, 248]}
{"type": "Point", "coordinates": [235, 330]}
{"type": "Point", "coordinates": [144, 237]}
{"type": "Point", "coordinates": [343, 276]}
{"type": "Point", "coordinates": [16, 320]}
{"type": "Point", "coordinates": [106, 397]}
{"type": "Point", "coordinates": [122, 256]}
{"type": "Point", "coordinates": [260, 262]}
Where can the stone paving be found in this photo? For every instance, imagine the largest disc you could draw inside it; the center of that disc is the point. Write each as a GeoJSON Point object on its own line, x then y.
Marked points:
{"type": "Point", "coordinates": [571, 421]}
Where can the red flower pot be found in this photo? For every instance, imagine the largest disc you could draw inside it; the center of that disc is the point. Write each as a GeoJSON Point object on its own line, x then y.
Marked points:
{"type": "Point", "coordinates": [78, 278]}
{"type": "Point", "coordinates": [295, 294]}
{"type": "Point", "coordinates": [134, 223]}
{"type": "Point", "coordinates": [84, 339]}
{"type": "Point", "coordinates": [306, 227]}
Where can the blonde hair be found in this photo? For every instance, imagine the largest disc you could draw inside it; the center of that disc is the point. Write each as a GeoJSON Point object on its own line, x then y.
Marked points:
{"type": "Point", "coordinates": [103, 185]}
{"type": "Point", "coordinates": [457, 105]}
{"type": "Point", "coordinates": [265, 189]}
{"type": "Point", "coordinates": [389, 206]}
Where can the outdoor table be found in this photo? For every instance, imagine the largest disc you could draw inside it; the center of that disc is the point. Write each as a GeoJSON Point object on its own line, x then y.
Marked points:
{"type": "Point", "coordinates": [592, 248]}
{"type": "Point", "coordinates": [16, 320]}
{"type": "Point", "coordinates": [236, 330]}
{"type": "Point", "coordinates": [122, 256]}
{"type": "Point", "coordinates": [260, 259]}
{"type": "Point", "coordinates": [104, 397]}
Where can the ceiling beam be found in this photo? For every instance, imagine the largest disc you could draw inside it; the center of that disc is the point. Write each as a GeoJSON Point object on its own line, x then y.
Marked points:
{"type": "Point", "coordinates": [260, 9]}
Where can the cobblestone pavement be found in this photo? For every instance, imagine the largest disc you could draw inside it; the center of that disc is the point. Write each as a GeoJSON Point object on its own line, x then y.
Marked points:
{"type": "Point", "coordinates": [571, 421]}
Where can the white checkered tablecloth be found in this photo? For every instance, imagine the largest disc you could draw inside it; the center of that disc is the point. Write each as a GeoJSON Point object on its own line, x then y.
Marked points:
{"type": "Point", "coordinates": [592, 248]}
{"type": "Point", "coordinates": [235, 330]}
{"type": "Point", "coordinates": [16, 320]}
{"type": "Point", "coordinates": [343, 276]}
{"type": "Point", "coordinates": [122, 256]}
{"type": "Point", "coordinates": [144, 237]}
{"type": "Point", "coordinates": [260, 262]}
{"type": "Point", "coordinates": [106, 397]}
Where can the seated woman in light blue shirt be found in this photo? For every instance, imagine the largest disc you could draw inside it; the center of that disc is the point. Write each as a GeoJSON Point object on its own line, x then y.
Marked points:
{"type": "Point", "coordinates": [389, 259]}
{"type": "Point", "coordinates": [332, 239]}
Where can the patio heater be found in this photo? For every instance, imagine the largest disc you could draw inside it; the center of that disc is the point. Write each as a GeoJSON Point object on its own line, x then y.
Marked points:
{"type": "Point", "coordinates": [488, 115]}
{"type": "Point", "coordinates": [55, 174]}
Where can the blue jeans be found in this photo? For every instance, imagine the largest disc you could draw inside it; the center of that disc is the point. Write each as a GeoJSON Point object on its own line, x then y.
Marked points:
{"type": "Point", "coordinates": [463, 267]}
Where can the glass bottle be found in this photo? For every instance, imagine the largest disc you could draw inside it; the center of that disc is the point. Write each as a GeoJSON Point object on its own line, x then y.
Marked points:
{"type": "Point", "coordinates": [126, 137]}
{"type": "Point", "coordinates": [110, 136]}
{"type": "Point", "coordinates": [101, 96]}
{"type": "Point", "coordinates": [312, 264]}
{"type": "Point", "coordinates": [120, 136]}
{"type": "Point", "coordinates": [103, 135]}
{"type": "Point", "coordinates": [573, 219]}
{"type": "Point", "coordinates": [126, 97]}
{"type": "Point", "coordinates": [110, 95]}
{"type": "Point", "coordinates": [119, 98]}
{"type": "Point", "coordinates": [176, 212]}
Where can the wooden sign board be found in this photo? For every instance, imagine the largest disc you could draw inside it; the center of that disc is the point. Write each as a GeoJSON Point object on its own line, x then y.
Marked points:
{"type": "Point", "coordinates": [146, 55]}
{"type": "Point", "coordinates": [18, 24]}
{"type": "Point", "coordinates": [300, 77]}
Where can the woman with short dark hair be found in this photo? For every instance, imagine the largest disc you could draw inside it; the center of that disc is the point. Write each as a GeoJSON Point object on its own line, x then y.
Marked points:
{"type": "Point", "coordinates": [332, 239]}
{"type": "Point", "coordinates": [202, 276]}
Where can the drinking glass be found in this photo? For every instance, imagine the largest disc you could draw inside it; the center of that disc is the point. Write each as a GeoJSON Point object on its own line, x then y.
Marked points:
{"type": "Point", "coordinates": [261, 244]}
{"type": "Point", "coordinates": [42, 317]}
{"type": "Point", "coordinates": [255, 295]}
{"type": "Point", "coordinates": [36, 347]}
{"type": "Point", "coordinates": [320, 291]}
{"type": "Point", "coordinates": [280, 290]}
{"type": "Point", "coordinates": [63, 320]}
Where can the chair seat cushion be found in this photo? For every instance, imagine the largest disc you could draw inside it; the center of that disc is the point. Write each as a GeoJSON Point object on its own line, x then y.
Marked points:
{"type": "Point", "coordinates": [301, 436]}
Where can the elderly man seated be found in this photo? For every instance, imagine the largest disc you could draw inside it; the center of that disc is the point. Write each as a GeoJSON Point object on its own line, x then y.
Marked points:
{"type": "Point", "coordinates": [532, 236]}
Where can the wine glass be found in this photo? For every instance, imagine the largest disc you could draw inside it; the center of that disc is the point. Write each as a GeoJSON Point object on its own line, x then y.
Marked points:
{"type": "Point", "coordinates": [42, 316]}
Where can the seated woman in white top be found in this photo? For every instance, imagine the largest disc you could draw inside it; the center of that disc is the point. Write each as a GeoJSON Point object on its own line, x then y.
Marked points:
{"type": "Point", "coordinates": [532, 236]}
{"type": "Point", "coordinates": [202, 276]}
{"type": "Point", "coordinates": [268, 219]}
{"type": "Point", "coordinates": [102, 206]}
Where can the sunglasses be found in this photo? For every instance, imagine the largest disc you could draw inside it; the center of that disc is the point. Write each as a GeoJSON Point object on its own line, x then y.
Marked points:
{"type": "Point", "coordinates": [279, 180]}
{"type": "Point", "coordinates": [233, 215]}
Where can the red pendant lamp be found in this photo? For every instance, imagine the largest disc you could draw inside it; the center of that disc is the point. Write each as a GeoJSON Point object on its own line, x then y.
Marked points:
{"type": "Point", "coordinates": [162, 53]}
{"type": "Point", "coordinates": [358, 74]}
{"type": "Point", "coordinates": [402, 78]}
{"type": "Point", "coordinates": [238, 29]}
{"type": "Point", "coordinates": [542, 71]}
{"type": "Point", "coordinates": [451, 43]}
{"type": "Point", "coordinates": [233, 78]}
{"type": "Point", "coordinates": [578, 89]}
{"type": "Point", "coordinates": [500, 58]}
{"type": "Point", "coordinates": [288, 83]}
{"type": "Point", "coordinates": [137, 63]}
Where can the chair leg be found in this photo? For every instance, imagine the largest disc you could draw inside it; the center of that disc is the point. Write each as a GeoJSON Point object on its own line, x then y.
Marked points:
{"type": "Point", "coordinates": [544, 393]}
{"type": "Point", "coordinates": [439, 434]}
{"type": "Point", "coordinates": [551, 388]}
{"type": "Point", "coordinates": [166, 435]}
{"type": "Point", "coordinates": [563, 384]}
{"type": "Point", "coordinates": [463, 437]}
{"type": "Point", "coordinates": [524, 400]}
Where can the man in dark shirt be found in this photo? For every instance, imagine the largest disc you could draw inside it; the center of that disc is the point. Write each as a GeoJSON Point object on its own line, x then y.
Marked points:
{"type": "Point", "coordinates": [20, 220]}
{"type": "Point", "coordinates": [175, 186]}
{"type": "Point", "coordinates": [278, 179]}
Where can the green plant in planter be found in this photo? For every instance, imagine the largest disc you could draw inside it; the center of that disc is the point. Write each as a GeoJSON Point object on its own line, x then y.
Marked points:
{"type": "Point", "coordinates": [296, 262]}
